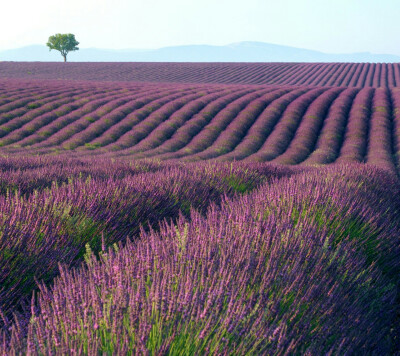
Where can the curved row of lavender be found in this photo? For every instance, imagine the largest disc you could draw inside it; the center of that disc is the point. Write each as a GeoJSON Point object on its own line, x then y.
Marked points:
{"type": "Point", "coordinates": [307, 264]}
{"type": "Point", "coordinates": [51, 207]}
{"type": "Point", "coordinates": [281, 124]}
{"type": "Point", "coordinates": [309, 74]}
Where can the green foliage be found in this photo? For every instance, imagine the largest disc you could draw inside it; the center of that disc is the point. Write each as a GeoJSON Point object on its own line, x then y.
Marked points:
{"type": "Point", "coordinates": [63, 43]}
{"type": "Point", "coordinates": [44, 133]}
{"type": "Point", "coordinates": [92, 146]}
{"type": "Point", "coordinates": [33, 105]}
{"type": "Point", "coordinates": [380, 109]}
{"type": "Point", "coordinates": [90, 119]}
{"type": "Point", "coordinates": [345, 228]}
{"type": "Point", "coordinates": [238, 184]}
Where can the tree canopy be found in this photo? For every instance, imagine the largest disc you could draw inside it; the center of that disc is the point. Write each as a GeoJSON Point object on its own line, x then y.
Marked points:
{"type": "Point", "coordinates": [64, 43]}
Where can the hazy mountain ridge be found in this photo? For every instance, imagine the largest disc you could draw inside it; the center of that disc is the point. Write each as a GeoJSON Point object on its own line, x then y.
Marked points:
{"type": "Point", "coordinates": [235, 52]}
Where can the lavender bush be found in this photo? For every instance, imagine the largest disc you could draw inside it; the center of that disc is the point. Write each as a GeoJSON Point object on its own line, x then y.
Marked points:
{"type": "Point", "coordinates": [306, 265]}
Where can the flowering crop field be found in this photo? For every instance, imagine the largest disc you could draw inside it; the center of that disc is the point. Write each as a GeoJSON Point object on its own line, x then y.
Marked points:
{"type": "Point", "coordinates": [181, 122]}
{"type": "Point", "coordinates": [195, 209]}
{"type": "Point", "coordinates": [315, 74]}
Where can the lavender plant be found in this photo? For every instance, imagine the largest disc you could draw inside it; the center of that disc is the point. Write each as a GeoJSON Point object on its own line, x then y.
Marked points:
{"type": "Point", "coordinates": [273, 272]}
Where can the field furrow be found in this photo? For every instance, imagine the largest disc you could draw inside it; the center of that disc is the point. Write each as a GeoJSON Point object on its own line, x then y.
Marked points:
{"type": "Point", "coordinates": [31, 101]}
{"type": "Point", "coordinates": [380, 151]}
{"type": "Point", "coordinates": [207, 136]}
{"type": "Point", "coordinates": [279, 139]}
{"type": "Point", "coordinates": [354, 147]}
{"type": "Point", "coordinates": [68, 125]}
{"type": "Point", "coordinates": [395, 99]}
{"type": "Point", "coordinates": [99, 127]}
{"type": "Point", "coordinates": [233, 134]}
{"type": "Point", "coordinates": [192, 127]}
{"type": "Point", "coordinates": [341, 76]}
{"type": "Point", "coordinates": [35, 123]}
{"type": "Point", "coordinates": [314, 74]}
{"type": "Point", "coordinates": [181, 116]}
{"type": "Point", "coordinates": [300, 123]}
{"type": "Point", "coordinates": [307, 133]}
{"type": "Point", "coordinates": [88, 104]}
{"type": "Point", "coordinates": [262, 127]}
{"type": "Point", "coordinates": [58, 102]}
{"type": "Point", "coordinates": [145, 126]}
{"type": "Point", "coordinates": [331, 138]}
{"type": "Point", "coordinates": [125, 125]}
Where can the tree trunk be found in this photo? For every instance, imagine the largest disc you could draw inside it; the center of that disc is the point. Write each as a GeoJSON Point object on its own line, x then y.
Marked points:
{"type": "Point", "coordinates": [65, 57]}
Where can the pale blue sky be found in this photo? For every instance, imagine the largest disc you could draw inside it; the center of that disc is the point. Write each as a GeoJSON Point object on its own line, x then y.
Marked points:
{"type": "Point", "coordinates": [333, 26]}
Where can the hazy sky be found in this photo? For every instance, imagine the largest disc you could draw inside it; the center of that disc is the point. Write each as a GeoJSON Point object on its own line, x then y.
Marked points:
{"type": "Point", "coordinates": [333, 26]}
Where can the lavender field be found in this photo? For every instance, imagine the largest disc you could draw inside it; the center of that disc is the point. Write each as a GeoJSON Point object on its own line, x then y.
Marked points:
{"type": "Point", "coordinates": [195, 209]}
{"type": "Point", "coordinates": [280, 124]}
{"type": "Point", "coordinates": [314, 74]}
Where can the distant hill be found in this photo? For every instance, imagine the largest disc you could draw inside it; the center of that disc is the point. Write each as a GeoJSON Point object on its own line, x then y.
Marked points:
{"type": "Point", "coordinates": [235, 52]}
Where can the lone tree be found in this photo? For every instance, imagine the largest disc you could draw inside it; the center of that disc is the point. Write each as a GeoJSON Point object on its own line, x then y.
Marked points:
{"type": "Point", "coordinates": [64, 43]}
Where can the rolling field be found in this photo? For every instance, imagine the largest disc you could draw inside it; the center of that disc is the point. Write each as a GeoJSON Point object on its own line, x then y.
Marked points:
{"type": "Point", "coordinates": [182, 209]}
{"type": "Point", "coordinates": [278, 124]}
{"type": "Point", "coordinates": [358, 75]}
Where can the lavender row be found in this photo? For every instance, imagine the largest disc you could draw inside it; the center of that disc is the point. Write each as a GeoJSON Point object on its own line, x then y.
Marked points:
{"type": "Point", "coordinates": [262, 127]}
{"type": "Point", "coordinates": [380, 146]}
{"type": "Point", "coordinates": [230, 137]}
{"type": "Point", "coordinates": [354, 146]}
{"type": "Point", "coordinates": [332, 134]}
{"type": "Point", "coordinates": [395, 98]}
{"type": "Point", "coordinates": [63, 128]}
{"type": "Point", "coordinates": [315, 272]}
{"type": "Point", "coordinates": [26, 174]}
{"type": "Point", "coordinates": [34, 122]}
{"type": "Point", "coordinates": [73, 125]}
{"type": "Point", "coordinates": [33, 103]}
{"type": "Point", "coordinates": [46, 129]}
{"type": "Point", "coordinates": [128, 123]}
{"type": "Point", "coordinates": [100, 122]}
{"type": "Point", "coordinates": [211, 131]}
{"type": "Point", "coordinates": [62, 100]}
{"type": "Point", "coordinates": [279, 139]}
{"type": "Point", "coordinates": [19, 103]}
{"type": "Point", "coordinates": [309, 74]}
{"type": "Point", "coordinates": [306, 135]}
{"type": "Point", "coordinates": [167, 128]}
{"type": "Point", "coordinates": [51, 226]}
{"type": "Point", "coordinates": [145, 121]}
{"type": "Point", "coordinates": [192, 127]}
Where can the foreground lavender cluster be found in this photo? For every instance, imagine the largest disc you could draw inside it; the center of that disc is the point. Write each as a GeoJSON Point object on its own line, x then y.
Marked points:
{"type": "Point", "coordinates": [306, 263]}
